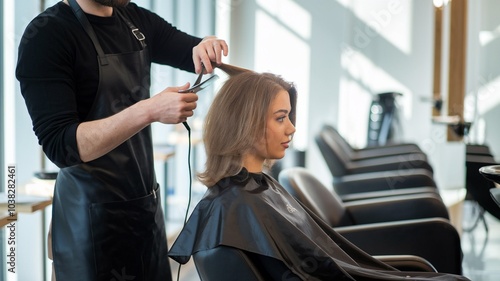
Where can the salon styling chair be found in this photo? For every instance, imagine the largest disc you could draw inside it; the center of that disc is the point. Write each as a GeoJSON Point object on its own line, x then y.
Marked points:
{"type": "Point", "coordinates": [478, 149]}
{"type": "Point", "coordinates": [372, 152]}
{"type": "Point", "coordinates": [391, 172]}
{"type": "Point", "coordinates": [478, 187]}
{"type": "Point", "coordinates": [308, 190]}
{"type": "Point", "coordinates": [400, 225]}
{"type": "Point", "coordinates": [331, 145]}
{"type": "Point", "coordinates": [492, 173]}
{"type": "Point", "coordinates": [400, 182]}
{"type": "Point", "coordinates": [375, 152]}
{"type": "Point", "coordinates": [225, 263]}
{"type": "Point", "coordinates": [387, 193]}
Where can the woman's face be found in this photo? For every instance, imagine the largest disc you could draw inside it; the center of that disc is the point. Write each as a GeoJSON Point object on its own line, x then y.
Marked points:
{"type": "Point", "coordinates": [279, 129]}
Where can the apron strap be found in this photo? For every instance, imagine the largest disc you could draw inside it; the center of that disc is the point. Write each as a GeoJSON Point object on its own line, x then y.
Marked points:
{"type": "Point", "coordinates": [80, 15]}
{"type": "Point", "coordinates": [135, 31]}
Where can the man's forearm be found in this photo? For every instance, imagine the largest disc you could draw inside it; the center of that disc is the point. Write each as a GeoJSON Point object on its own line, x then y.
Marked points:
{"type": "Point", "coordinates": [98, 137]}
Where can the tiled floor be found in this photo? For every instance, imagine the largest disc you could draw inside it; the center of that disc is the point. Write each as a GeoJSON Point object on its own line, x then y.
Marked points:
{"type": "Point", "coordinates": [481, 249]}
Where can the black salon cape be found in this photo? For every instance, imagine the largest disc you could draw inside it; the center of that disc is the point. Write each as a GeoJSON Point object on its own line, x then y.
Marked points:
{"type": "Point", "coordinates": [254, 213]}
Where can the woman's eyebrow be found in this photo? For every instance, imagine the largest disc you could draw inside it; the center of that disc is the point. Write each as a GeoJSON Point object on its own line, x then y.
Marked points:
{"type": "Point", "coordinates": [281, 111]}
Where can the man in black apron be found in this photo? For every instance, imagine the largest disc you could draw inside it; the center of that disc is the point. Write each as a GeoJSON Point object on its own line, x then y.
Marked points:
{"type": "Point", "coordinates": [84, 71]}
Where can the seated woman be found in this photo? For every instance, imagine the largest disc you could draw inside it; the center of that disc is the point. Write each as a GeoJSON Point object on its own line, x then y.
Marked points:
{"type": "Point", "coordinates": [250, 123]}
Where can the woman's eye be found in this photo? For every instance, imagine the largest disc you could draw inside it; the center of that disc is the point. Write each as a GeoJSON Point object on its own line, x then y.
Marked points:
{"type": "Point", "coordinates": [280, 119]}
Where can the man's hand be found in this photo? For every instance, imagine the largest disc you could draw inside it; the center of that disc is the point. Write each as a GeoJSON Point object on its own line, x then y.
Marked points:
{"type": "Point", "coordinates": [171, 107]}
{"type": "Point", "coordinates": [98, 137]}
{"type": "Point", "coordinates": [209, 50]}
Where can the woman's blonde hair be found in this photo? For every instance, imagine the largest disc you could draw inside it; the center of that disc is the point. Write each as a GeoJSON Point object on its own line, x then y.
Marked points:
{"type": "Point", "coordinates": [237, 119]}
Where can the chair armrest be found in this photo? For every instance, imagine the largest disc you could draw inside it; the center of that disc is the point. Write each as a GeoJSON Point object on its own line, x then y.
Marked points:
{"type": "Point", "coordinates": [387, 163]}
{"type": "Point", "coordinates": [403, 146]}
{"type": "Point", "coordinates": [385, 151]}
{"type": "Point", "coordinates": [407, 263]}
{"type": "Point", "coordinates": [405, 207]}
{"type": "Point", "coordinates": [435, 240]}
{"type": "Point", "coordinates": [386, 180]}
{"type": "Point", "coordinates": [388, 193]}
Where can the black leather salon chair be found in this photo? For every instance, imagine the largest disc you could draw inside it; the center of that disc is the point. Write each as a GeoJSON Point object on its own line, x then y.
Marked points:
{"type": "Point", "coordinates": [225, 263]}
{"type": "Point", "coordinates": [478, 187]}
{"type": "Point", "coordinates": [433, 239]}
{"type": "Point", "coordinates": [413, 224]}
{"type": "Point", "coordinates": [492, 173]}
{"type": "Point", "coordinates": [371, 151]}
{"type": "Point", "coordinates": [387, 193]}
{"type": "Point", "coordinates": [408, 170]}
{"type": "Point", "coordinates": [341, 163]}
{"type": "Point", "coordinates": [390, 181]}
{"type": "Point", "coordinates": [478, 149]}
{"type": "Point", "coordinates": [306, 188]}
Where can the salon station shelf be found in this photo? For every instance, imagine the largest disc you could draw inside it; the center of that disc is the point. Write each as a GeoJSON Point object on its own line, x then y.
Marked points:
{"type": "Point", "coordinates": [163, 152]}
{"type": "Point", "coordinates": [455, 123]}
{"type": "Point", "coordinates": [38, 187]}
{"type": "Point", "coordinates": [5, 219]}
{"type": "Point", "coordinates": [25, 203]}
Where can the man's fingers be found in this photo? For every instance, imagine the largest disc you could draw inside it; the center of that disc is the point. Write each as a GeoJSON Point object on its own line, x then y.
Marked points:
{"type": "Point", "coordinates": [178, 88]}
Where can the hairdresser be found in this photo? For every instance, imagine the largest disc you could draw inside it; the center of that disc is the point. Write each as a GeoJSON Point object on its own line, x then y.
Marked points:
{"type": "Point", "coordinates": [84, 71]}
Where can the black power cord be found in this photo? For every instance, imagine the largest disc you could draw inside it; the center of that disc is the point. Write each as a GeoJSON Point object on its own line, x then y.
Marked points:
{"type": "Point", "coordinates": [190, 185]}
{"type": "Point", "coordinates": [189, 169]}
{"type": "Point", "coordinates": [197, 86]}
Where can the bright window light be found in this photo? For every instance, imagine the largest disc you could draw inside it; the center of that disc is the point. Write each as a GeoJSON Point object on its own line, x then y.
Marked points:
{"type": "Point", "coordinates": [280, 50]}
{"type": "Point", "coordinates": [9, 81]}
{"type": "Point", "coordinates": [290, 14]}
{"type": "Point", "coordinates": [390, 20]}
{"type": "Point", "coordinates": [362, 79]}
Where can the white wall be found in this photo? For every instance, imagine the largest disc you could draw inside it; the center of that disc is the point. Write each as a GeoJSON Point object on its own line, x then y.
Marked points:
{"type": "Point", "coordinates": [484, 78]}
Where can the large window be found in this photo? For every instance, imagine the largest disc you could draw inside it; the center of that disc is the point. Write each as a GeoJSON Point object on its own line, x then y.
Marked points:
{"type": "Point", "coordinates": [2, 269]}
{"type": "Point", "coordinates": [2, 102]}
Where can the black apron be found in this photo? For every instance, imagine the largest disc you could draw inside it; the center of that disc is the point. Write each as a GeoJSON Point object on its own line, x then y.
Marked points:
{"type": "Point", "coordinates": [107, 218]}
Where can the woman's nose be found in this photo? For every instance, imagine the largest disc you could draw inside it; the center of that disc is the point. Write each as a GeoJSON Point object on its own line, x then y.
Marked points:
{"type": "Point", "coordinates": [291, 128]}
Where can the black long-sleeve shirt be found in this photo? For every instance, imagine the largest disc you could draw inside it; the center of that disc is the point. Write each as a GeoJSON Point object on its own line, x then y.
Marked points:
{"type": "Point", "coordinates": [59, 75]}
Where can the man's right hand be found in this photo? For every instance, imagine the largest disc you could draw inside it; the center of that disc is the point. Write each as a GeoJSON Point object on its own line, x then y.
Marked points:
{"type": "Point", "coordinates": [98, 137]}
{"type": "Point", "coordinates": [171, 107]}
